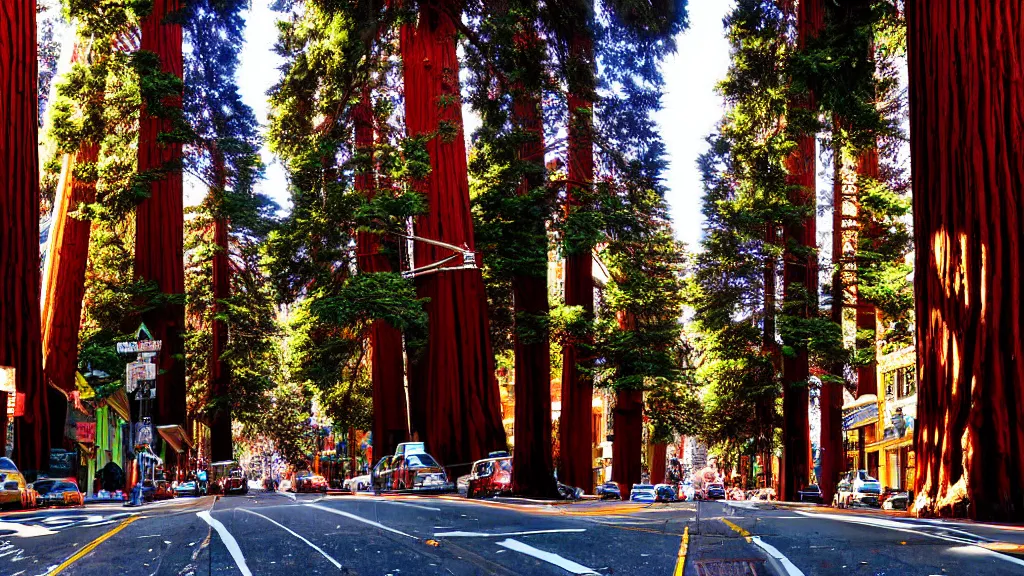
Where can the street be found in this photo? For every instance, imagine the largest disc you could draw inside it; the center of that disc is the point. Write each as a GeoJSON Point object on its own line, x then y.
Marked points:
{"type": "Point", "coordinates": [281, 533]}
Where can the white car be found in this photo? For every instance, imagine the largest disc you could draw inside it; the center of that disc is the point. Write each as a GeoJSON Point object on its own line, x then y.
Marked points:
{"type": "Point", "coordinates": [857, 488]}
{"type": "Point", "coordinates": [357, 484]}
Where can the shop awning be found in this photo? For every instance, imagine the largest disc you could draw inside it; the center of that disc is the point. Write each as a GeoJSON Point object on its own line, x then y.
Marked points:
{"type": "Point", "coordinates": [118, 402]}
{"type": "Point", "coordinates": [175, 436]}
{"type": "Point", "coordinates": [860, 412]}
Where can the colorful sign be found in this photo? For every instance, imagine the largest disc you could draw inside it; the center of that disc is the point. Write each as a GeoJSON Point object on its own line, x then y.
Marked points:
{"type": "Point", "coordinates": [140, 346]}
{"type": "Point", "coordinates": [859, 416]}
{"type": "Point", "coordinates": [85, 432]}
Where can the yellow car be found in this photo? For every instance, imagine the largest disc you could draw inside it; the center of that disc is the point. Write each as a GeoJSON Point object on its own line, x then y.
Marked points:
{"type": "Point", "coordinates": [14, 491]}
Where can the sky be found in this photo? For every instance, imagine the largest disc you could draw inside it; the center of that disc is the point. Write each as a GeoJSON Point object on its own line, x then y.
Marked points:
{"type": "Point", "coordinates": [691, 107]}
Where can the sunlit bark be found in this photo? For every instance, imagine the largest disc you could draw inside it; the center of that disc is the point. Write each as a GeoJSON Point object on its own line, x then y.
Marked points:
{"type": "Point", "coordinates": [966, 63]}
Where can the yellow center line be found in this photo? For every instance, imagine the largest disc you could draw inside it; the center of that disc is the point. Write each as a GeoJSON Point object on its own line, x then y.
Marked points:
{"type": "Point", "coordinates": [737, 529]}
{"type": "Point", "coordinates": [681, 557]}
{"type": "Point", "coordinates": [92, 545]}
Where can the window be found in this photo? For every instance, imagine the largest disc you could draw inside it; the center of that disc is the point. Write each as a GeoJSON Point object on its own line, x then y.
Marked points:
{"type": "Point", "coordinates": [906, 379]}
{"type": "Point", "coordinates": [900, 382]}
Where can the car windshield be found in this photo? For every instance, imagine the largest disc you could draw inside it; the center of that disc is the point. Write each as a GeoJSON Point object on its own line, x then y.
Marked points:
{"type": "Point", "coordinates": [420, 460]}
{"type": "Point", "coordinates": [65, 487]}
{"type": "Point", "coordinates": [865, 478]}
{"type": "Point", "coordinates": [812, 488]}
{"type": "Point", "coordinates": [7, 465]}
{"type": "Point", "coordinates": [44, 486]}
{"type": "Point", "coordinates": [505, 465]}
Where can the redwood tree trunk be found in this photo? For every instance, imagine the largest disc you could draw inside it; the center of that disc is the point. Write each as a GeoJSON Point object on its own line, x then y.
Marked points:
{"type": "Point", "coordinates": [831, 399]}
{"type": "Point", "coordinates": [64, 275]}
{"type": "Point", "coordinates": [533, 473]}
{"type": "Point", "coordinates": [159, 222]}
{"type": "Point", "coordinates": [628, 441]}
{"type": "Point", "coordinates": [967, 148]}
{"type": "Point", "coordinates": [867, 375]}
{"type": "Point", "coordinates": [390, 424]}
{"type": "Point", "coordinates": [453, 387]}
{"type": "Point", "coordinates": [659, 461]}
{"type": "Point", "coordinates": [576, 425]}
{"type": "Point", "coordinates": [800, 278]}
{"type": "Point", "coordinates": [20, 338]}
{"type": "Point", "coordinates": [220, 373]}
{"type": "Point", "coordinates": [765, 408]}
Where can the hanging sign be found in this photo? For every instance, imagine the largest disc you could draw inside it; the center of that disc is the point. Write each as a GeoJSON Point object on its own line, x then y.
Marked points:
{"type": "Point", "coordinates": [137, 371]}
{"type": "Point", "coordinates": [139, 346]}
{"type": "Point", "coordinates": [85, 432]}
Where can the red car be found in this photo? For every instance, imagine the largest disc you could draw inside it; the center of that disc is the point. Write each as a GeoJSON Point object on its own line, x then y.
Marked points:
{"type": "Point", "coordinates": [235, 483]}
{"type": "Point", "coordinates": [310, 483]}
{"type": "Point", "coordinates": [417, 471]}
{"type": "Point", "coordinates": [490, 477]}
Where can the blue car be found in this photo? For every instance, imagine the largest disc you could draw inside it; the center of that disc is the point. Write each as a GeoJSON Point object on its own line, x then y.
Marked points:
{"type": "Point", "coordinates": [609, 490]}
{"type": "Point", "coordinates": [643, 493]}
{"type": "Point", "coordinates": [715, 492]}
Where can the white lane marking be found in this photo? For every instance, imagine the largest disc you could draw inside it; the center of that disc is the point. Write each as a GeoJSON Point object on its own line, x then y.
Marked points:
{"type": "Point", "coordinates": [229, 541]}
{"type": "Point", "coordinates": [905, 527]}
{"type": "Point", "coordinates": [24, 530]}
{"type": "Point", "coordinates": [297, 535]}
{"type": "Point", "coordinates": [288, 494]}
{"type": "Point", "coordinates": [361, 519]}
{"type": "Point", "coordinates": [789, 567]}
{"type": "Point", "coordinates": [458, 534]}
{"type": "Point", "coordinates": [564, 564]}
{"type": "Point", "coordinates": [397, 503]}
{"type": "Point", "coordinates": [979, 551]}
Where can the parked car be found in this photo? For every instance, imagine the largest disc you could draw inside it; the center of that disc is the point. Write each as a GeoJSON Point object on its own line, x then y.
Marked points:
{"type": "Point", "coordinates": [417, 471]}
{"type": "Point", "coordinates": [897, 501]}
{"type": "Point", "coordinates": [567, 492]}
{"type": "Point", "coordinates": [642, 493]}
{"type": "Point", "coordinates": [310, 482]}
{"type": "Point", "coordinates": [857, 488]}
{"type": "Point", "coordinates": [190, 488]}
{"type": "Point", "coordinates": [490, 477]}
{"type": "Point", "coordinates": [357, 484]}
{"type": "Point", "coordinates": [664, 493]}
{"type": "Point", "coordinates": [156, 490]}
{"type": "Point", "coordinates": [58, 492]}
{"type": "Point", "coordinates": [715, 491]}
{"type": "Point", "coordinates": [735, 493]}
{"type": "Point", "coordinates": [609, 491]}
{"type": "Point", "coordinates": [462, 484]}
{"type": "Point", "coordinates": [380, 476]}
{"type": "Point", "coordinates": [14, 491]}
{"type": "Point", "coordinates": [235, 483]}
{"type": "Point", "coordinates": [811, 493]}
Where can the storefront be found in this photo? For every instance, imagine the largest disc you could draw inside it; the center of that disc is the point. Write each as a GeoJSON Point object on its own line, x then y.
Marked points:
{"type": "Point", "coordinates": [879, 430]}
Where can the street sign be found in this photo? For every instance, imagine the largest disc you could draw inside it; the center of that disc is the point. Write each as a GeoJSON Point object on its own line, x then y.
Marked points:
{"type": "Point", "coordinates": [139, 346]}
{"type": "Point", "coordinates": [137, 371]}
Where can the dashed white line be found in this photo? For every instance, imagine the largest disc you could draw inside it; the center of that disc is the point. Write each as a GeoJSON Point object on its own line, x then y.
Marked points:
{"type": "Point", "coordinates": [361, 519]}
{"type": "Point", "coordinates": [459, 534]}
{"type": "Point", "coordinates": [229, 541]}
{"type": "Point", "coordinates": [550, 558]}
{"type": "Point", "coordinates": [297, 535]}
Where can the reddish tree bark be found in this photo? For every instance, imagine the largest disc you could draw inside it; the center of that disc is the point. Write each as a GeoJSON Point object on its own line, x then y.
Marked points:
{"type": "Point", "coordinates": [576, 425]}
{"type": "Point", "coordinates": [628, 440]}
{"type": "Point", "coordinates": [659, 462]}
{"type": "Point", "coordinates": [20, 337]}
{"type": "Point", "coordinates": [867, 375]}
{"type": "Point", "coordinates": [160, 220]}
{"type": "Point", "coordinates": [453, 389]}
{"type": "Point", "coordinates": [800, 279]}
{"type": "Point", "coordinates": [966, 63]}
{"type": "Point", "coordinates": [533, 473]}
{"type": "Point", "coordinates": [390, 423]}
{"type": "Point", "coordinates": [220, 373]}
{"type": "Point", "coordinates": [64, 275]}
{"type": "Point", "coordinates": [765, 408]}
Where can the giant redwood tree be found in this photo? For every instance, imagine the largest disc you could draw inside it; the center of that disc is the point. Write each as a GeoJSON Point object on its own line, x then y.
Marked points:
{"type": "Point", "coordinates": [453, 392]}
{"type": "Point", "coordinates": [20, 346]}
{"type": "Point", "coordinates": [967, 146]}
{"type": "Point", "coordinates": [800, 272]}
{"type": "Point", "coordinates": [159, 235]}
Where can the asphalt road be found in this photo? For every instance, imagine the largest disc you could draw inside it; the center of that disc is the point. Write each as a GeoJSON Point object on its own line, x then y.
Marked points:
{"type": "Point", "coordinates": [280, 534]}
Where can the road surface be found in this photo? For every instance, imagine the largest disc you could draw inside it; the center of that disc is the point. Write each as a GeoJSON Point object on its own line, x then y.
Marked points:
{"type": "Point", "coordinates": [283, 534]}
